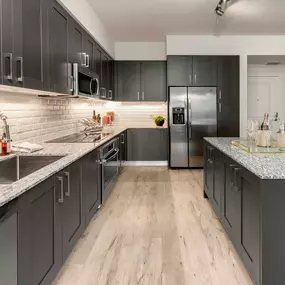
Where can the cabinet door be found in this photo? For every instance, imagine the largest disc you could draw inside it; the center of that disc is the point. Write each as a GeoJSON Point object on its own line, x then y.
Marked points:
{"type": "Point", "coordinates": [153, 81]}
{"type": "Point", "coordinates": [228, 96]}
{"type": "Point", "coordinates": [35, 43]}
{"type": "Point", "coordinates": [128, 81]}
{"type": "Point", "coordinates": [123, 147]}
{"type": "Point", "coordinates": [209, 170]}
{"type": "Point", "coordinates": [76, 37]}
{"type": "Point", "coordinates": [219, 176]}
{"type": "Point", "coordinates": [72, 211]}
{"type": "Point", "coordinates": [7, 41]}
{"type": "Point", "coordinates": [179, 70]}
{"type": "Point", "coordinates": [146, 145]}
{"type": "Point", "coordinates": [111, 92]}
{"type": "Point", "coordinates": [40, 234]}
{"type": "Point", "coordinates": [91, 184]}
{"type": "Point", "coordinates": [9, 223]}
{"type": "Point", "coordinates": [60, 69]}
{"type": "Point", "coordinates": [98, 61]}
{"type": "Point", "coordinates": [105, 76]}
{"type": "Point", "coordinates": [231, 208]}
{"type": "Point", "coordinates": [89, 49]}
{"type": "Point", "coordinates": [205, 70]}
{"type": "Point", "coordinates": [250, 221]}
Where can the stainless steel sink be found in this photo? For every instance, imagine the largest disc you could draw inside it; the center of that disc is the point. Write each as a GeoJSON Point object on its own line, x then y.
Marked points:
{"type": "Point", "coordinates": [16, 168]}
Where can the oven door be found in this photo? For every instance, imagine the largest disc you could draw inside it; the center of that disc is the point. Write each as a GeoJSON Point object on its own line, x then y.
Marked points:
{"type": "Point", "coordinates": [110, 172]}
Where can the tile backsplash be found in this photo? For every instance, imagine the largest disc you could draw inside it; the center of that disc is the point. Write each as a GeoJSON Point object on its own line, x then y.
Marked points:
{"type": "Point", "coordinates": [35, 119]}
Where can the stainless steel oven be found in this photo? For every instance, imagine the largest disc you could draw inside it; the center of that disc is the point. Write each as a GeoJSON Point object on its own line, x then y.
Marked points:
{"type": "Point", "coordinates": [110, 161]}
{"type": "Point", "coordinates": [85, 82]}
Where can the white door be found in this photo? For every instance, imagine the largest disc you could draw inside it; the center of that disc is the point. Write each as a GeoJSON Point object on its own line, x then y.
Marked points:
{"type": "Point", "coordinates": [264, 95]}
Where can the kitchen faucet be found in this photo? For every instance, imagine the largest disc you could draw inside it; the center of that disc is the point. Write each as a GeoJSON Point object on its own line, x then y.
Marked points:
{"type": "Point", "coordinates": [6, 128]}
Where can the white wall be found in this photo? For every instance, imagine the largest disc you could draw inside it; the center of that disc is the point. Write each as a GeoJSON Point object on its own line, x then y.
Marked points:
{"type": "Point", "coordinates": [140, 51]}
{"type": "Point", "coordinates": [85, 14]}
{"type": "Point", "coordinates": [228, 45]}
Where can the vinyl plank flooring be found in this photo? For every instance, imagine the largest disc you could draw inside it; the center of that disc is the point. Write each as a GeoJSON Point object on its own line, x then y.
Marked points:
{"type": "Point", "coordinates": [155, 229]}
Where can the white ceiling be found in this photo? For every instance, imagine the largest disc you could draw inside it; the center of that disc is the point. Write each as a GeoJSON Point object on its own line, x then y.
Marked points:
{"type": "Point", "coordinates": [151, 20]}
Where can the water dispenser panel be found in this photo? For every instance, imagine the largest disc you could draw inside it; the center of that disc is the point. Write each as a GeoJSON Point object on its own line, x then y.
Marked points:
{"type": "Point", "coordinates": [178, 116]}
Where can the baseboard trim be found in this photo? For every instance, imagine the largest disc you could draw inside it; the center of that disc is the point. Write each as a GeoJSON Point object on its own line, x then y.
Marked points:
{"type": "Point", "coordinates": [146, 163]}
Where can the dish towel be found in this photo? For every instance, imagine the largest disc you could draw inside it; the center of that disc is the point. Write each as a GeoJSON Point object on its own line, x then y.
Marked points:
{"type": "Point", "coordinates": [26, 147]}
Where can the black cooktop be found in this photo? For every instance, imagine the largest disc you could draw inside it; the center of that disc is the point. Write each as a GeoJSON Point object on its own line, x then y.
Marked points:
{"type": "Point", "coordinates": [80, 138]}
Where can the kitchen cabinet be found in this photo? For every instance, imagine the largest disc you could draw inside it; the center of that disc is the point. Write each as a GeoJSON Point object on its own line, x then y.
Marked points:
{"type": "Point", "coordinates": [91, 184]}
{"type": "Point", "coordinates": [147, 144]}
{"type": "Point", "coordinates": [153, 81]}
{"type": "Point", "coordinates": [192, 70]}
{"type": "Point", "coordinates": [60, 67]}
{"type": "Point", "coordinates": [105, 76]}
{"type": "Point", "coordinates": [123, 147]}
{"type": "Point", "coordinates": [89, 52]}
{"type": "Point", "coordinates": [128, 81]}
{"type": "Point", "coordinates": [72, 217]}
{"type": "Point", "coordinates": [228, 96]}
{"type": "Point", "coordinates": [12, 42]}
{"type": "Point", "coordinates": [98, 57]}
{"type": "Point", "coordinates": [9, 217]}
{"type": "Point", "coordinates": [111, 90]}
{"type": "Point", "coordinates": [35, 65]}
{"type": "Point", "coordinates": [208, 171]}
{"type": "Point", "coordinates": [76, 39]}
{"type": "Point", "coordinates": [141, 81]}
{"type": "Point", "coordinates": [40, 238]}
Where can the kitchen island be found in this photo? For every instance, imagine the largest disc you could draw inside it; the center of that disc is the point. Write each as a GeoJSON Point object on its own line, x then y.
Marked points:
{"type": "Point", "coordinates": [247, 192]}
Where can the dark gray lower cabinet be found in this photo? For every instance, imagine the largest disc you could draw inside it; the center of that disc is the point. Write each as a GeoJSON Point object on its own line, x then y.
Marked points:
{"type": "Point", "coordinates": [91, 184]}
{"type": "Point", "coordinates": [40, 241]}
{"type": "Point", "coordinates": [72, 217]}
{"type": "Point", "coordinates": [147, 144]}
{"type": "Point", "coordinates": [123, 147]}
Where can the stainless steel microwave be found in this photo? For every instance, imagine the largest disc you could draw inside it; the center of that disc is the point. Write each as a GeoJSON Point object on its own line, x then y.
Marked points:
{"type": "Point", "coordinates": [85, 82]}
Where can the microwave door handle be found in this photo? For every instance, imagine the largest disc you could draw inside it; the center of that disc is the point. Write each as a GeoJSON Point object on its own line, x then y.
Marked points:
{"type": "Point", "coordinates": [98, 87]}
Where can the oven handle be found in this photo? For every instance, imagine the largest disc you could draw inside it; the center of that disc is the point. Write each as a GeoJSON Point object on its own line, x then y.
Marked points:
{"type": "Point", "coordinates": [103, 161]}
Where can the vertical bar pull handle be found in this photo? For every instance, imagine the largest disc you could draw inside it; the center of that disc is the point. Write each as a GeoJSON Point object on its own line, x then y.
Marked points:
{"type": "Point", "coordinates": [87, 60]}
{"type": "Point", "coordinates": [190, 79]}
{"type": "Point", "coordinates": [8, 62]}
{"type": "Point", "coordinates": [67, 194]}
{"type": "Point", "coordinates": [138, 95]}
{"type": "Point", "coordinates": [123, 138]}
{"type": "Point", "coordinates": [143, 96]}
{"type": "Point", "coordinates": [20, 60]}
{"type": "Point", "coordinates": [60, 199]}
{"type": "Point", "coordinates": [220, 107]}
{"type": "Point", "coordinates": [220, 94]}
{"type": "Point", "coordinates": [195, 79]}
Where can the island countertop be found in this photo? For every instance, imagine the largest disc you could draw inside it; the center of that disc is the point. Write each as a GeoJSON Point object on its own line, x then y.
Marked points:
{"type": "Point", "coordinates": [269, 166]}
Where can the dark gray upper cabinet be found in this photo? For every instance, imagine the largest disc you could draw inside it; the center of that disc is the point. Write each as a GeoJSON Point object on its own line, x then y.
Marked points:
{"type": "Point", "coordinates": [60, 67]}
{"type": "Point", "coordinates": [147, 144]}
{"type": "Point", "coordinates": [40, 240]}
{"type": "Point", "coordinates": [12, 39]}
{"type": "Point", "coordinates": [191, 70]}
{"type": "Point", "coordinates": [98, 61]}
{"type": "Point", "coordinates": [111, 90]}
{"type": "Point", "coordinates": [179, 70]}
{"type": "Point", "coordinates": [35, 44]}
{"type": "Point", "coordinates": [128, 81]}
{"type": "Point", "coordinates": [204, 71]}
{"type": "Point", "coordinates": [228, 96]}
{"type": "Point", "coordinates": [153, 81]}
{"type": "Point", "coordinates": [140, 81]}
{"type": "Point", "coordinates": [89, 51]}
{"type": "Point", "coordinates": [91, 184]}
{"type": "Point", "coordinates": [72, 211]}
{"type": "Point", "coordinates": [76, 39]}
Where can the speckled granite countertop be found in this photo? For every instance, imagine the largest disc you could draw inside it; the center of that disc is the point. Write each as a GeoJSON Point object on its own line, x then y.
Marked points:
{"type": "Point", "coordinates": [269, 166]}
{"type": "Point", "coordinates": [71, 152]}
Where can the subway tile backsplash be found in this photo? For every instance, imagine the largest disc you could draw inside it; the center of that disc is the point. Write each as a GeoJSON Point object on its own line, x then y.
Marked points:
{"type": "Point", "coordinates": [37, 119]}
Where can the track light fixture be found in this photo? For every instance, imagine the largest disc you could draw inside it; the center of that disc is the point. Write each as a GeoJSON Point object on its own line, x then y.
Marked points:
{"type": "Point", "coordinates": [221, 7]}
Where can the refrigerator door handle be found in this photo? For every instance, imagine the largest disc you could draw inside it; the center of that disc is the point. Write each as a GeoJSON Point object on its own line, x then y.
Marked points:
{"type": "Point", "coordinates": [189, 118]}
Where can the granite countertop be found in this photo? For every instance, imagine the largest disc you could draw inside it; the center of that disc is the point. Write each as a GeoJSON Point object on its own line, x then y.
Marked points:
{"type": "Point", "coordinates": [269, 166]}
{"type": "Point", "coordinates": [71, 152]}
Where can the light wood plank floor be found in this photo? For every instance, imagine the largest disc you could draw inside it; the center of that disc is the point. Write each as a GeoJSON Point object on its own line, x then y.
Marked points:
{"type": "Point", "coordinates": [156, 228]}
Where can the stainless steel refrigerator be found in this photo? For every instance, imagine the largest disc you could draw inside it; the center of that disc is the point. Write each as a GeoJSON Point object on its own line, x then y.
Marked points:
{"type": "Point", "coordinates": [192, 116]}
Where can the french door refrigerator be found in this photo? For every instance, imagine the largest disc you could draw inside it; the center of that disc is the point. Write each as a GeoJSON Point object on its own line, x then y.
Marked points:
{"type": "Point", "coordinates": [192, 116]}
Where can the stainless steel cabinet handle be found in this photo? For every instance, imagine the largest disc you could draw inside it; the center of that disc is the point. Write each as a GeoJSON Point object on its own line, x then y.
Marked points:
{"type": "Point", "coordinates": [9, 58]}
{"type": "Point", "coordinates": [142, 95]}
{"type": "Point", "coordinates": [71, 83]}
{"type": "Point", "coordinates": [110, 92]}
{"type": "Point", "coordinates": [87, 60]}
{"type": "Point", "coordinates": [220, 94]}
{"type": "Point", "coordinates": [20, 78]}
{"type": "Point", "coordinates": [236, 181]}
{"type": "Point", "coordinates": [195, 79]}
{"type": "Point", "coordinates": [67, 194]}
{"type": "Point", "coordinates": [220, 107]}
{"type": "Point", "coordinates": [138, 95]}
{"type": "Point", "coordinates": [190, 79]}
{"type": "Point", "coordinates": [123, 137]}
{"type": "Point", "coordinates": [84, 59]}
{"type": "Point", "coordinates": [60, 199]}
{"type": "Point", "coordinates": [103, 92]}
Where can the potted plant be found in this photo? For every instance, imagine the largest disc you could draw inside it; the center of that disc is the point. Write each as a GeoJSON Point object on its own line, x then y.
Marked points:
{"type": "Point", "coordinates": [159, 121]}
